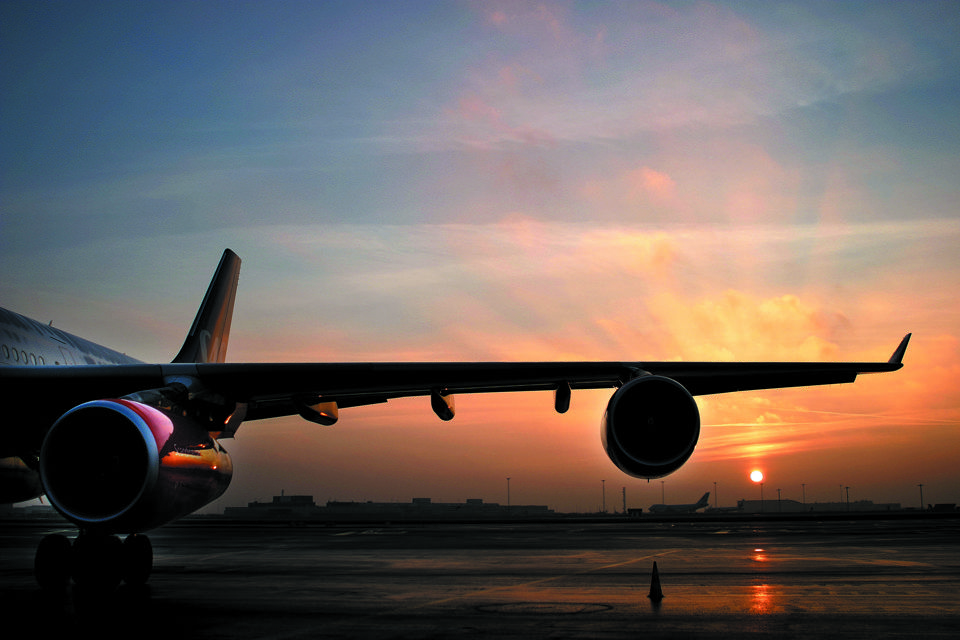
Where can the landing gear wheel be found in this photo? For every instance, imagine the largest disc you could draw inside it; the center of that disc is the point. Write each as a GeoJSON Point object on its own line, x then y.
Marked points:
{"type": "Point", "coordinates": [97, 562]}
{"type": "Point", "coordinates": [52, 564]}
{"type": "Point", "coordinates": [137, 559]}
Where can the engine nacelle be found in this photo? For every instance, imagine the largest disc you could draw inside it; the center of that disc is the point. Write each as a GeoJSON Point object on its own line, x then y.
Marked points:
{"type": "Point", "coordinates": [123, 466]}
{"type": "Point", "coordinates": [651, 427]}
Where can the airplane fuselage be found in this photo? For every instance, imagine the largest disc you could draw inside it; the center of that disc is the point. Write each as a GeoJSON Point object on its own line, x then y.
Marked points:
{"type": "Point", "coordinates": [26, 342]}
{"type": "Point", "coordinates": [682, 508]}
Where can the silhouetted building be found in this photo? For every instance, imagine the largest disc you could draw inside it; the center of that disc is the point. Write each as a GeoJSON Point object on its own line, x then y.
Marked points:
{"type": "Point", "coordinates": [282, 507]}
{"type": "Point", "coordinates": [770, 506]}
{"type": "Point", "coordinates": [792, 506]}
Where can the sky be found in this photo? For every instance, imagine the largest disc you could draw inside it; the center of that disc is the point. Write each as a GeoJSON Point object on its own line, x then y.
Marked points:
{"type": "Point", "coordinates": [473, 181]}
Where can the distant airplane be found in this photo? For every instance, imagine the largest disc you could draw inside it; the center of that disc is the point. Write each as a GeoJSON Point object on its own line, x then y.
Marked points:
{"type": "Point", "coordinates": [702, 503]}
{"type": "Point", "coordinates": [120, 446]}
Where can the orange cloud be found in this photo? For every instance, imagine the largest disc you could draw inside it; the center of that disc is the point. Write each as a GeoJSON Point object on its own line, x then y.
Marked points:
{"type": "Point", "coordinates": [648, 182]}
{"type": "Point", "coordinates": [646, 192]}
{"type": "Point", "coordinates": [738, 326]}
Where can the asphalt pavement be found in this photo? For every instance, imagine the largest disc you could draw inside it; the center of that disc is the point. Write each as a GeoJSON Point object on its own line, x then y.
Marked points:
{"type": "Point", "coordinates": [863, 578]}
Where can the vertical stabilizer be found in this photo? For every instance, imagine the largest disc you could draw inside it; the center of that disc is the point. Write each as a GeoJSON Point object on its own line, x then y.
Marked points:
{"type": "Point", "coordinates": [208, 337]}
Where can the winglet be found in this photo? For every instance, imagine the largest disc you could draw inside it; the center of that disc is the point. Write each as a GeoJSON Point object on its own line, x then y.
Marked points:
{"type": "Point", "coordinates": [897, 357]}
{"type": "Point", "coordinates": [208, 337]}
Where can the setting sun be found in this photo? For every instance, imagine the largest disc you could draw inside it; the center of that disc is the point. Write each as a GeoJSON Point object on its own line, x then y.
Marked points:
{"type": "Point", "coordinates": [756, 476]}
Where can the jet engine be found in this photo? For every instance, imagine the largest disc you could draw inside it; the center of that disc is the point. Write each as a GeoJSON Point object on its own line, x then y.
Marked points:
{"type": "Point", "coordinates": [124, 466]}
{"type": "Point", "coordinates": [651, 426]}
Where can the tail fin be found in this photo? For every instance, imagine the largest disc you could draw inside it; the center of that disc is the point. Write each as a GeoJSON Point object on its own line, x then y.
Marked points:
{"type": "Point", "coordinates": [208, 337]}
{"type": "Point", "coordinates": [704, 499]}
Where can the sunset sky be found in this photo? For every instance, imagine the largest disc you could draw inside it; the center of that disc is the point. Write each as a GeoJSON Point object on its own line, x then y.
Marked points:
{"type": "Point", "coordinates": [510, 181]}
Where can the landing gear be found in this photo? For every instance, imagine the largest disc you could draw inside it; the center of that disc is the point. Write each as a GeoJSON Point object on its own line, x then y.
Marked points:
{"type": "Point", "coordinates": [137, 559]}
{"type": "Point", "coordinates": [52, 565]}
{"type": "Point", "coordinates": [95, 561]}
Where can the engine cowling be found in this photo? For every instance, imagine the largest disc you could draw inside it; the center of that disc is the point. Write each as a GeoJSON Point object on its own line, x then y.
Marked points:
{"type": "Point", "coordinates": [123, 466]}
{"type": "Point", "coordinates": [651, 427]}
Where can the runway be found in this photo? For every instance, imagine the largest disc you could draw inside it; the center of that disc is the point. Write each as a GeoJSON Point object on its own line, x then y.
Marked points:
{"type": "Point", "coordinates": [759, 578]}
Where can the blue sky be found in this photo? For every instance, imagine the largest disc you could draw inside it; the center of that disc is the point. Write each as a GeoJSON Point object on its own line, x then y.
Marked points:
{"type": "Point", "coordinates": [483, 180]}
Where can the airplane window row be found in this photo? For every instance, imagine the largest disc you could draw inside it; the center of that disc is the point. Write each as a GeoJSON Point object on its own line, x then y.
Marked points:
{"type": "Point", "coordinates": [20, 356]}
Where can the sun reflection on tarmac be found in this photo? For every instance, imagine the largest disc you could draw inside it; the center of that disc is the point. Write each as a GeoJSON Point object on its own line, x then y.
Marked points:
{"type": "Point", "coordinates": [761, 599]}
{"type": "Point", "coordinates": [761, 595]}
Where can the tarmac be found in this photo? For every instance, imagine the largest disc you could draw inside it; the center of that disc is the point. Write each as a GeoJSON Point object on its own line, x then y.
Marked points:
{"type": "Point", "coordinates": [758, 578]}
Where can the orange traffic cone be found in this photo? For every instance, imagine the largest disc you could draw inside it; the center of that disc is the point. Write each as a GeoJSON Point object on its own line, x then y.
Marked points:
{"type": "Point", "coordinates": [656, 593]}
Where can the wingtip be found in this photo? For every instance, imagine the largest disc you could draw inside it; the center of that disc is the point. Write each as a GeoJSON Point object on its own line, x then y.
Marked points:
{"type": "Point", "coordinates": [897, 357]}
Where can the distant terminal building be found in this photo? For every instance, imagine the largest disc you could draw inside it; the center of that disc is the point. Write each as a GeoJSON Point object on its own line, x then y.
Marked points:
{"type": "Point", "coordinates": [792, 506]}
{"type": "Point", "coordinates": [771, 506]}
{"type": "Point", "coordinates": [304, 508]}
{"type": "Point", "coordinates": [281, 508]}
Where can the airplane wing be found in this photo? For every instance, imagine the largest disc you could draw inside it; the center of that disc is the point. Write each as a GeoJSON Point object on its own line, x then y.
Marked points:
{"type": "Point", "coordinates": [279, 389]}
{"type": "Point", "coordinates": [272, 389]}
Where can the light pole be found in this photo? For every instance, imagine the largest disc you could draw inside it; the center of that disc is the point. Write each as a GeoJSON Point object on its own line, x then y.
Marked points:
{"type": "Point", "coordinates": [921, 495]}
{"type": "Point", "coordinates": [848, 498]}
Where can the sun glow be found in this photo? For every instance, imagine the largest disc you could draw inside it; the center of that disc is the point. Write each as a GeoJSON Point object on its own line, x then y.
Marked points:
{"type": "Point", "coordinates": [756, 476]}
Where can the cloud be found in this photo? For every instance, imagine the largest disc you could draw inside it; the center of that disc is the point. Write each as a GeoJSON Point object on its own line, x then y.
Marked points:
{"type": "Point", "coordinates": [485, 126]}
{"type": "Point", "coordinates": [656, 184]}
{"type": "Point", "coordinates": [640, 189]}
{"type": "Point", "coordinates": [621, 71]}
{"type": "Point", "coordinates": [531, 20]}
{"type": "Point", "coordinates": [739, 326]}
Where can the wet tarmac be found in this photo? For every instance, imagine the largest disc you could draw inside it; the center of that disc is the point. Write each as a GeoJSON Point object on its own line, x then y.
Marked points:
{"type": "Point", "coordinates": [739, 578]}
